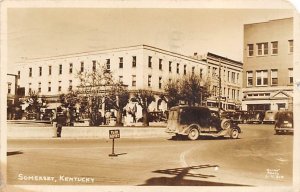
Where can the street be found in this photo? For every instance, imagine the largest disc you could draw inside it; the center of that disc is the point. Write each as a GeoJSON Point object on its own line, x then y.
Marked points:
{"type": "Point", "coordinates": [258, 158]}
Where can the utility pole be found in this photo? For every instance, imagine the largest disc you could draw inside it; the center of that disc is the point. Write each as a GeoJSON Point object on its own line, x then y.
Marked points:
{"type": "Point", "coordinates": [219, 79]}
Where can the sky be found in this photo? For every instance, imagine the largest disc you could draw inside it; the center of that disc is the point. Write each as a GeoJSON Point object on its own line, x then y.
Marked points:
{"type": "Point", "coordinates": [42, 32]}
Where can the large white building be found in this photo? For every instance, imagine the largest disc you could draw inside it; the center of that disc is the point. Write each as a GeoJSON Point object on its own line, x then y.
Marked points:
{"type": "Point", "coordinates": [139, 67]}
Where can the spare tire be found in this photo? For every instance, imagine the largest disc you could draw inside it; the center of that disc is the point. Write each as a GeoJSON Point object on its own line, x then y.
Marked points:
{"type": "Point", "coordinates": [225, 124]}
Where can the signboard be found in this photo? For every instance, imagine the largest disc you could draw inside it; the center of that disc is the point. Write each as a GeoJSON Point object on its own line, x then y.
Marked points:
{"type": "Point", "coordinates": [114, 134]}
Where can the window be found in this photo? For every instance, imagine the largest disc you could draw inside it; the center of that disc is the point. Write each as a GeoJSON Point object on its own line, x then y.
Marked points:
{"type": "Point", "coordinates": [19, 74]}
{"type": "Point", "coordinates": [274, 77]}
{"type": "Point", "coordinates": [249, 78]}
{"type": "Point", "coordinates": [201, 73]}
{"type": "Point", "coordinates": [70, 85]}
{"type": "Point", "coordinates": [170, 66]}
{"type": "Point", "coordinates": [291, 46]}
{"type": "Point", "coordinates": [30, 72]}
{"type": "Point", "coordinates": [177, 70]}
{"type": "Point", "coordinates": [208, 69]}
{"type": "Point", "coordinates": [60, 69]}
{"type": "Point", "coordinates": [120, 62]}
{"type": "Point", "coordinates": [261, 78]}
{"type": "Point", "coordinates": [228, 76]}
{"type": "Point", "coordinates": [184, 69]}
{"type": "Point", "coordinates": [237, 78]}
{"type": "Point", "coordinates": [233, 93]}
{"type": "Point", "coordinates": [250, 50]}
{"type": "Point", "coordinates": [108, 64]}
{"type": "Point", "coordinates": [149, 80]}
{"type": "Point", "coordinates": [193, 70]}
{"type": "Point", "coordinates": [133, 61]}
{"type": "Point", "coordinates": [71, 68]}
{"type": "Point", "coordinates": [238, 94]}
{"type": "Point", "coordinates": [160, 64]}
{"type": "Point", "coordinates": [9, 88]}
{"type": "Point", "coordinates": [262, 49]}
{"type": "Point", "coordinates": [214, 71]}
{"type": "Point", "coordinates": [50, 70]}
{"type": "Point", "coordinates": [159, 82]}
{"type": "Point", "coordinates": [40, 71]}
{"type": "Point", "coordinates": [233, 77]}
{"type": "Point", "coordinates": [149, 62]}
{"type": "Point", "coordinates": [40, 87]}
{"type": "Point", "coordinates": [59, 85]}
{"type": "Point", "coordinates": [274, 47]}
{"type": "Point", "coordinates": [133, 80]}
{"type": "Point", "coordinates": [29, 88]}
{"type": "Point", "coordinates": [228, 93]}
{"type": "Point", "coordinates": [81, 67]}
{"type": "Point", "coordinates": [291, 80]}
{"type": "Point", "coordinates": [49, 86]}
{"type": "Point", "coordinates": [121, 79]}
{"type": "Point", "coordinates": [94, 65]}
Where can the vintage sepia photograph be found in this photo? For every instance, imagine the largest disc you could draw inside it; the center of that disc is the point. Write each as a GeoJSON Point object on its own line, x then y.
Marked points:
{"type": "Point", "coordinates": [130, 96]}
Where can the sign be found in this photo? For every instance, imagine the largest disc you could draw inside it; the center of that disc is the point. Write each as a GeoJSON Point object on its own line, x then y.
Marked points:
{"type": "Point", "coordinates": [114, 134]}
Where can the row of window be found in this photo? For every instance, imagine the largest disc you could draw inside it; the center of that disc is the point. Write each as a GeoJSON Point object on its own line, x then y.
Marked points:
{"type": "Point", "coordinates": [121, 65]}
{"type": "Point", "coordinates": [263, 48]}
{"type": "Point", "coordinates": [230, 93]}
{"type": "Point", "coordinates": [50, 87]}
{"type": "Point", "coordinates": [232, 77]}
{"type": "Point", "coordinates": [262, 77]}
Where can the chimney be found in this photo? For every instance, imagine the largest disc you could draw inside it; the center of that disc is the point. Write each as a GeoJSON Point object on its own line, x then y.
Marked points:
{"type": "Point", "coordinates": [195, 53]}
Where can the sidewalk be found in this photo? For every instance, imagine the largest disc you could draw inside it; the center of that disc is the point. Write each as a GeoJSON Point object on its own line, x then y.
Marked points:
{"type": "Point", "coordinates": [133, 131]}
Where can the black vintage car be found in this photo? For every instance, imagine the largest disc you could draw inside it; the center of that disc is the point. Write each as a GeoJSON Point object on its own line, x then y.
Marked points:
{"type": "Point", "coordinates": [200, 121]}
{"type": "Point", "coordinates": [284, 122]}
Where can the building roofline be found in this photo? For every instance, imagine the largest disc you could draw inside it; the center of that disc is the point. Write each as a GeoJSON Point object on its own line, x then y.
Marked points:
{"type": "Point", "coordinates": [269, 21]}
{"type": "Point", "coordinates": [94, 52]}
{"type": "Point", "coordinates": [223, 58]}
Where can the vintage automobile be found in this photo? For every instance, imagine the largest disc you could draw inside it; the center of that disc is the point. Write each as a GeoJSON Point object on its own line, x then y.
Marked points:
{"type": "Point", "coordinates": [269, 116]}
{"type": "Point", "coordinates": [284, 122]}
{"type": "Point", "coordinates": [200, 121]}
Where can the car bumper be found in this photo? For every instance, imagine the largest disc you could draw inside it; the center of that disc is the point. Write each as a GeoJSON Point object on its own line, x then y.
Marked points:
{"type": "Point", "coordinates": [286, 129]}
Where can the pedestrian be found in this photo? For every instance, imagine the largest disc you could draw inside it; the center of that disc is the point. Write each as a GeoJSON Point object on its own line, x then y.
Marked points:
{"type": "Point", "coordinates": [60, 119]}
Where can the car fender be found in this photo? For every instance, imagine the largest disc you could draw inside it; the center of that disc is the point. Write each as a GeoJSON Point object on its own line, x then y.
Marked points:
{"type": "Point", "coordinates": [186, 130]}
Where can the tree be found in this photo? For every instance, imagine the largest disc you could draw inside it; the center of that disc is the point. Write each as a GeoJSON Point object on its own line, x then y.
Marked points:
{"type": "Point", "coordinates": [117, 97]}
{"type": "Point", "coordinates": [35, 103]}
{"type": "Point", "coordinates": [172, 96]}
{"type": "Point", "coordinates": [97, 87]}
{"type": "Point", "coordinates": [144, 98]}
{"type": "Point", "coordinates": [190, 88]}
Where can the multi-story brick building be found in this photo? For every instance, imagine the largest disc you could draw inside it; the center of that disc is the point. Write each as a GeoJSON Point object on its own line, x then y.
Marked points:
{"type": "Point", "coordinates": [139, 67]}
{"type": "Point", "coordinates": [225, 77]}
{"type": "Point", "coordinates": [268, 65]}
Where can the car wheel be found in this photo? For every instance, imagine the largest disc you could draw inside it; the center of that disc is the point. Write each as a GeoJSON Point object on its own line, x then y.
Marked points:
{"type": "Point", "coordinates": [225, 124]}
{"type": "Point", "coordinates": [234, 134]}
{"type": "Point", "coordinates": [193, 134]}
{"type": "Point", "coordinates": [277, 132]}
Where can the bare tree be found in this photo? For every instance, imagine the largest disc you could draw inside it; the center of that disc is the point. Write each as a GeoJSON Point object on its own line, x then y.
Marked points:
{"type": "Point", "coordinates": [144, 98]}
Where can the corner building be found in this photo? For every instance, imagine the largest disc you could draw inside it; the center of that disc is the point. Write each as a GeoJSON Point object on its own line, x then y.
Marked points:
{"type": "Point", "coordinates": [268, 65]}
{"type": "Point", "coordinates": [139, 67]}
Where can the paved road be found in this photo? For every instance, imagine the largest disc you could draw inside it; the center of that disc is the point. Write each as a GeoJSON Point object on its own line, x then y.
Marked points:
{"type": "Point", "coordinates": [258, 158]}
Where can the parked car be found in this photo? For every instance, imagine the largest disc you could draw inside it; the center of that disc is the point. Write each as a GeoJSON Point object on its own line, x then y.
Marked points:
{"type": "Point", "coordinates": [200, 121]}
{"type": "Point", "coordinates": [270, 116]}
{"type": "Point", "coordinates": [284, 122]}
{"type": "Point", "coordinates": [255, 116]}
